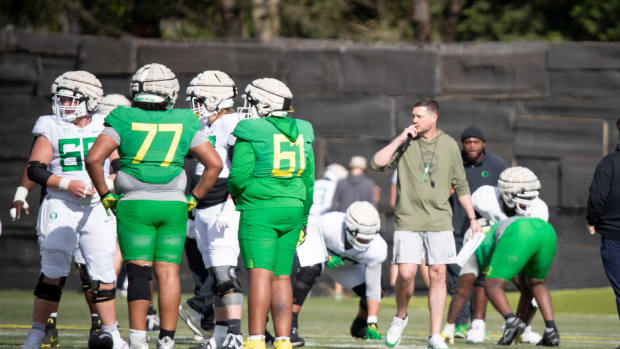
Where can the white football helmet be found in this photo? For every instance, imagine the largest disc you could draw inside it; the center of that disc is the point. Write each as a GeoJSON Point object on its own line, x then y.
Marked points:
{"type": "Point", "coordinates": [75, 94]}
{"type": "Point", "coordinates": [266, 97]}
{"type": "Point", "coordinates": [335, 172]}
{"type": "Point", "coordinates": [111, 101]}
{"type": "Point", "coordinates": [209, 92]}
{"type": "Point", "coordinates": [154, 83]}
{"type": "Point", "coordinates": [519, 188]}
{"type": "Point", "coordinates": [361, 224]}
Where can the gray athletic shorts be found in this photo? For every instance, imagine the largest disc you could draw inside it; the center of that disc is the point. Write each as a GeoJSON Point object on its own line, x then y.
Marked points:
{"type": "Point", "coordinates": [436, 247]}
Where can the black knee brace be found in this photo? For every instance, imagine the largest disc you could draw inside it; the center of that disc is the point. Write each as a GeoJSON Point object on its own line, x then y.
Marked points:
{"type": "Point", "coordinates": [139, 278]}
{"type": "Point", "coordinates": [479, 282]}
{"type": "Point", "coordinates": [99, 295]}
{"type": "Point", "coordinates": [49, 292]}
{"type": "Point", "coordinates": [84, 278]}
{"type": "Point", "coordinates": [304, 280]}
{"type": "Point", "coordinates": [225, 280]}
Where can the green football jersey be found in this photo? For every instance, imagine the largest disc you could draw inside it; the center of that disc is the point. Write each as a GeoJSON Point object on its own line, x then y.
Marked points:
{"type": "Point", "coordinates": [153, 143]}
{"type": "Point", "coordinates": [273, 164]}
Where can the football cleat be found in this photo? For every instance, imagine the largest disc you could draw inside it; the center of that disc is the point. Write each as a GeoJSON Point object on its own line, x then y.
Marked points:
{"type": "Point", "coordinates": [269, 338]}
{"type": "Point", "coordinates": [477, 333]}
{"type": "Point", "coordinates": [51, 334]}
{"type": "Point", "coordinates": [165, 343]}
{"type": "Point", "coordinates": [33, 339]}
{"type": "Point", "coordinates": [530, 336]}
{"type": "Point", "coordinates": [140, 343]}
{"type": "Point", "coordinates": [436, 342]}
{"type": "Point", "coordinates": [191, 317]}
{"type": "Point", "coordinates": [233, 341]}
{"type": "Point", "coordinates": [395, 331]}
{"type": "Point", "coordinates": [513, 328]}
{"type": "Point", "coordinates": [460, 331]}
{"type": "Point", "coordinates": [372, 332]}
{"type": "Point", "coordinates": [448, 333]}
{"type": "Point", "coordinates": [100, 340]}
{"type": "Point", "coordinates": [257, 344]}
{"type": "Point", "coordinates": [282, 344]}
{"type": "Point", "coordinates": [296, 341]}
{"type": "Point", "coordinates": [551, 338]}
{"type": "Point", "coordinates": [358, 328]}
{"type": "Point", "coordinates": [152, 322]}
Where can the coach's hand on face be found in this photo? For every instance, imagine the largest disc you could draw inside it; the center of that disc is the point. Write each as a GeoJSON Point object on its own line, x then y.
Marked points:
{"type": "Point", "coordinates": [408, 132]}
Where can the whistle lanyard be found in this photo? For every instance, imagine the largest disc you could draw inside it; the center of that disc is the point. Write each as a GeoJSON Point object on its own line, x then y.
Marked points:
{"type": "Point", "coordinates": [427, 167]}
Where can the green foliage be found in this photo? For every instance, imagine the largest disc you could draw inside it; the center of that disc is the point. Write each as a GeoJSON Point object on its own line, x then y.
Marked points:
{"type": "Point", "coordinates": [357, 20]}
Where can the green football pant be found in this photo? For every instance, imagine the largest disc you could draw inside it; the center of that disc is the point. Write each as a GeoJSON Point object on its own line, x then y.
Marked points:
{"type": "Point", "coordinates": [268, 238]}
{"type": "Point", "coordinates": [526, 245]}
{"type": "Point", "coordinates": [151, 230]}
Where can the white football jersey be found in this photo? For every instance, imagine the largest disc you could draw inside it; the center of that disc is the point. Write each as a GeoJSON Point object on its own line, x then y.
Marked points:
{"type": "Point", "coordinates": [488, 203]}
{"type": "Point", "coordinates": [331, 226]}
{"type": "Point", "coordinates": [323, 194]}
{"type": "Point", "coordinates": [219, 133]}
{"type": "Point", "coordinates": [70, 144]}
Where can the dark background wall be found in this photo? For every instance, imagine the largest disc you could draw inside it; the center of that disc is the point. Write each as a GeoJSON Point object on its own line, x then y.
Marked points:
{"type": "Point", "coordinates": [547, 106]}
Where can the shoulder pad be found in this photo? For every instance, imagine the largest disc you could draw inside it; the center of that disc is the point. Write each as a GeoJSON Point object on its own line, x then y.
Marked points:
{"type": "Point", "coordinates": [43, 124]}
{"type": "Point", "coordinates": [540, 210]}
{"type": "Point", "coordinates": [246, 129]}
{"type": "Point", "coordinates": [305, 128]}
{"type": "Point", "coordinates": [486, 202]}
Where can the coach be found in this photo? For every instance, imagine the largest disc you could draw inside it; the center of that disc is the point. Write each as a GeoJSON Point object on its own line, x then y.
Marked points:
{"type": "Point", "coordinates": [603, 214]}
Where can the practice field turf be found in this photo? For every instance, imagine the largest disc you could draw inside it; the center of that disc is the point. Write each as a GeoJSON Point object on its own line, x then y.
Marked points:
{"type": "Point", "coordinates": [586, 318]}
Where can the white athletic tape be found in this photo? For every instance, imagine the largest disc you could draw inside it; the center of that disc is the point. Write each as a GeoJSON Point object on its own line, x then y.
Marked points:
{"type": "Point", "coordinates": [13, 213]}
{"type": "Point", "coordinates": [20, 195]}
{"type": "Point", "coordinates": [64, 183]}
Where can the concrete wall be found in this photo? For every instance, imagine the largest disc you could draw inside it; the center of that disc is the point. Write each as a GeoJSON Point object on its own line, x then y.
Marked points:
{"type": "Point", "coordinates": [547, 106]}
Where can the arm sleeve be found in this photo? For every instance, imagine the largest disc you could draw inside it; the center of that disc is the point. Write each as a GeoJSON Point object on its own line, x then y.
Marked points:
{"type": "Point", "coordinates": [373, 282]}
{"type": "Point", "coordinates": [599, 190]}
{"type": "Point", "coordinates": [110, 131]}
{"type": "Point", "coordinates": [308, 179]}
{"type": "Point", "coordinates": [198, 139]}
{"type": "Point", "coordinates": [457, 172]}
{"type": "Point", "coordinates": [242, 167]}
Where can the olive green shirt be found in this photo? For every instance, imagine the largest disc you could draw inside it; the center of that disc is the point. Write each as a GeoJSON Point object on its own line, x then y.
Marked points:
{"type": "Point", "coordinates": [421, 206]}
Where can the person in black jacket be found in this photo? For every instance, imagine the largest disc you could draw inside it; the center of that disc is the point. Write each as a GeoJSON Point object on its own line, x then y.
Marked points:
{"type": "Point", "coordinates": [603, 214]}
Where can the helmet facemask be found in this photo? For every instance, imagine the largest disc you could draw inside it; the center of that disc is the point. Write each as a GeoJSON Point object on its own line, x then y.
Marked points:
{"type": "Point", "coordinates": [519, 189]}
{"type": "Point", "coordinates": [358, 240]}
{"type": "Point", "coordinates": [69, 105]}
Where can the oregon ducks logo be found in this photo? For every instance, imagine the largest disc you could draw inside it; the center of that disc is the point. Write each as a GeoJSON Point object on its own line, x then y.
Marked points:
{"type": "Point", "coordinates": [484, 173]}
{"type": "Point", "coordinates": [53, 215]}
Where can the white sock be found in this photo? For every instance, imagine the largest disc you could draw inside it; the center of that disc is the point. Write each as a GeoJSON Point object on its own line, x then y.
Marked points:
{"type": "Point", "coordinates": [282, 339]}
{"type": "Point", "coordinates": [257, 337]}
{"type": "Point", "coordinates": [137, 335]}
{"type": "Point", "coordinates": [53, 315]}
{"type": "Point", "coordinates": [113, 330]}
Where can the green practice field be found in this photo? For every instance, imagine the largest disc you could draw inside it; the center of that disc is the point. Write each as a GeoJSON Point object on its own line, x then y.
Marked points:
{"type": "Point", "coordinates": [586, 318]}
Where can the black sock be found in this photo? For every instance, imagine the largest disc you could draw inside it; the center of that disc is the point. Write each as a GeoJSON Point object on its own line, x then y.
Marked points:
{"type": "Point", "coordinates": [509, 316]}
{"type": "Point", "coordinates": [294, 320]}
{"type": "Point", "coordinates": [221, 323]}
{"type": "Point", "coordinates": [234, 326]}
{"type": "Point", "coordinates": [94, 321]}
{"type": "Point", "coordinates": [163, 333]}
{"type": "Point", "coordinates": [151, 310]}
{"type": "Point", "coordinates": [550, 324]}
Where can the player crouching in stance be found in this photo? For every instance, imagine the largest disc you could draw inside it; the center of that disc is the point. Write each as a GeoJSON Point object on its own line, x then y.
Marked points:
{"type": "Point", "coordinates": [356, 251]}
{"type": "Point", "coordinates": [71, 214]}
{"type": "Point", "coordinates": [211, 95]}
{"type": "Point", "coordinates": [523, 247]}
{"type": "Point", "coordinates": [151, 209]}
{"type": "Point", "coordinates": [516, 195]}
{"type": "Point", "coordinates": [271, 180]}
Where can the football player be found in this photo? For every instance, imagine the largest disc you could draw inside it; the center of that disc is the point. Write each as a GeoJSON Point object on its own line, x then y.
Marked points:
{"type": "Point", "coordinates": [324, 189]}
{"type": "Point", "coordinates": [152, 141]}
{"type": "Point", "coordinates": [515, 195]}
{"type": "Point", "coordinates": [19, 202]}
{"type": "Point", "coordinates": [523, 248]}
{"type": "Point", "coordinates": [211, 95]}
{"type": "Point", "coordinates": [356, 252]}
{"type": "Point", "coordinates": [71, 214]}
{"type": "Point", "coordinates": [271, 180]}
